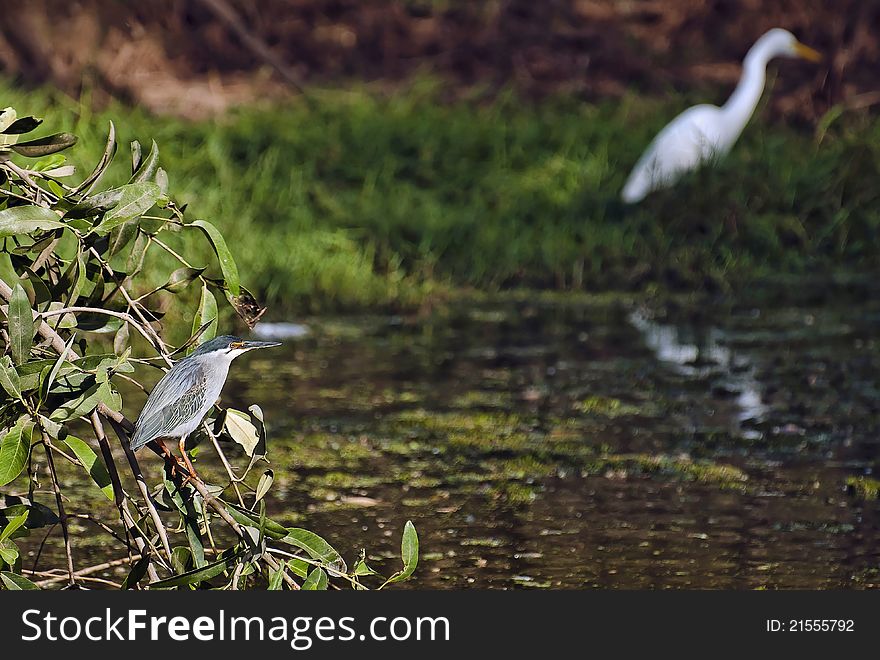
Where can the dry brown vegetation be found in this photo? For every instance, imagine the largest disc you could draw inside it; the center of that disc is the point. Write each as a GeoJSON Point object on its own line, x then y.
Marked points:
{"type": "Point", "coordinates": [149, 53]}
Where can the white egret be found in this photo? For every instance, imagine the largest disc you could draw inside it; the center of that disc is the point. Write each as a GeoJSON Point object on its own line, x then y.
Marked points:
{"type": "Point", "coordinates": [705, 132]}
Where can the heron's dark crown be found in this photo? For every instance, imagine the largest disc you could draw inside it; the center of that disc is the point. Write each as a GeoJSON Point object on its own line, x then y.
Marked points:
{"type": "Point", "coordinates": [216, 344]}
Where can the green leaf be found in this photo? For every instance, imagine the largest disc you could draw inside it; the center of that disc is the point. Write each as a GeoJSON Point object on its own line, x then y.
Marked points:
{"type": "Point", "coordinates": [409, 553]}
{"type": "Point", "coordinates": [181, 278]}
{"type": "Point", "coordinates": [137, 573]}
{"type": "Point", "coordinates": [409, 548]}
{"type": "Point", "coordinates": [110, 397]}
{"type": "Point", "coordinates": [106, 158]}
{"type": "Point", "coordinates": [191, 525]}
{"type": "Point", "coordinates": [239, 427]}
{"type": "Point", "coordinates": [27, 219]}
{"type": "Point", "coordinates": [71, 281]}
{"type": "Point", "coordinates": [52, 428]}
{"type": "Point", "coordinates": [276, 579]}
{"type": "Point", "coordinates": [248, 518]}
{"type": "Point", "coordinates": [120, 341]}
{"type": "Point", "coordinates": [61, 361]}
{"type": "Point", "coordinates": [147, 168]}
{"type": "Point", "coordinates": [361, 568]}
{"type": "Point", "coordinates": [95, 204]}
{"type": "Point", "coordinates": [181, 559]}
{"type": "Point", "coordinates": [136, 199]}
{"type": "Point", "coordinates": [317, 581]}
{"type": "Point", "coordinates": [199, 574]}
{"type": "Point", "coordinates": [16, 582]}
{"type": "Point", "coordinates": [66, 320]}
{"type": "Point", "coordinates": [45, 145]}
{"type": "Point", "coordinates": [14, 450]}
{"type": "Point", "coordinates": [317, 548]}
{"type": "Point", "coordinates": [298, 567]}
{"type": "Point", "coordinates": [90, 462]}
{"type": "Point", "coordinates": [39, 515]}
{"type": "Point", "coordinates": [135, 156]}
{"type": "Point", "coordinates": [257, 417]}
{"type": "Point", "coordinates": [9, 552]}
{"type": "Point", "coordinates": [161, 180]}
{"type": "Point", "coordinates": [206, 313]}
{"type": "Point", "coordinates": [49, 163]}
{"type": "Point", "coordinates": [227, 263]}
{"type": "Point", "coordinates": [137, 253]}
{"type": "Point", "coordinates": [7, 271]}
{"type": "Point", "coordinates": [34, 283]}
{"type": "Point", "coordinates": [190, 519]}
{"type": "Point", "coordinates": [13, 525]}
{"type": "Point", "coordinates": [55, 188]}
{"type": "Point", "coordinates": [9, 378]}
{"type": "Point", "coordinates": [81, 405]}
{"type": "Point", "coordinates": [122, 236]}
{"type": "Point", "coordinates": [21, 325]}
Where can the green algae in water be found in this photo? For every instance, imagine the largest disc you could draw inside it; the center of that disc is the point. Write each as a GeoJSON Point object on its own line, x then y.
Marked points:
{"type": "Point", "coordinates": [863, 487]}
{"type": "Point", "coordinates": [606, 407]}
{"type": "Point", "coordinates": [704, 471]}
{"type": "Point", "coordinates": [451, 422]}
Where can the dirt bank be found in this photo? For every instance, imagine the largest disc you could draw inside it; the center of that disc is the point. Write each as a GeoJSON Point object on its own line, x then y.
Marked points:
{"type": "Point", "coordinates": [189, 58]}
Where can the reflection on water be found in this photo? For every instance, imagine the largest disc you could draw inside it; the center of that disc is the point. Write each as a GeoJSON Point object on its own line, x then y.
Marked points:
{"type": "Point", "coordinates": [282, 330]}
{"type": "Point", "coordinates": [710, 357]}
{"type": "Point", "coordinates": [539, 441]}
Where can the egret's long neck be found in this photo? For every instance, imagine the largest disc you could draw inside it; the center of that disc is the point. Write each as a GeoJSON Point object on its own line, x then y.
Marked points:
{"type": "Point", "coordinates": [742, 103]}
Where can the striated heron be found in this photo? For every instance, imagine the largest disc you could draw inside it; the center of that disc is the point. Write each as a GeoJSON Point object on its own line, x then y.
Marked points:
{"type": "Point", "coordinates": [185, 394]}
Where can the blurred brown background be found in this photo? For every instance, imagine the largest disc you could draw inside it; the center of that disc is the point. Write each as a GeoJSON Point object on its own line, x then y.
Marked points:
{"type": "Point", "coordinates": [231, 51]}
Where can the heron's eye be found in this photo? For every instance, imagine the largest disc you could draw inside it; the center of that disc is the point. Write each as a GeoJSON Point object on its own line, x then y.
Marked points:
{"type": "Point", "coordinates": [236, 344]}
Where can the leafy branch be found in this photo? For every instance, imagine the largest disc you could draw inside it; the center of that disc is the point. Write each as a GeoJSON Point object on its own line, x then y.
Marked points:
{"type": "Point", "coordinates": [72, 264]}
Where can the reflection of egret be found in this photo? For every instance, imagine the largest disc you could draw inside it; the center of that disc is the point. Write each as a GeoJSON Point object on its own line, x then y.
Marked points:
{"type": "Point", "coordinates": [709, 358]}
{"type": "Point", "coordinates": [705, 132]}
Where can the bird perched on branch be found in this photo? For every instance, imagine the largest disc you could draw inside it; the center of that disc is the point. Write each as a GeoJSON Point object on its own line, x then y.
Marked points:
{"type": "Point", "coordinates": [185, 394]}
{"type": "Point", "coordinates": [705, 132]}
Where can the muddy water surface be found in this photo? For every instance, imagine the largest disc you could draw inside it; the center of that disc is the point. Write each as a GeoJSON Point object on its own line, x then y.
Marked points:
{"type": "Point", "coordinates": [543, 441]}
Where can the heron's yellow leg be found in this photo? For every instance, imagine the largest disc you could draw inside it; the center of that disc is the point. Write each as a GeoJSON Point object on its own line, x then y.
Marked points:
{"type": "Point", "coordinates": [189, 466]}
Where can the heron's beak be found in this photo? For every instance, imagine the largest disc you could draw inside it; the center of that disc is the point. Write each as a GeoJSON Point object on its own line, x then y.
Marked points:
{"type": "Point", "coordinates": [248, 345]}
{"type": "Point", "coordinates": [807, 53]}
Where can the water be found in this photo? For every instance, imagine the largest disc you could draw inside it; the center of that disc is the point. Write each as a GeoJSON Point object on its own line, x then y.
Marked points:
{"type": "Point", "coordinates": [541, 441]}
{"type": "Point", "coordinates": [589, 442]}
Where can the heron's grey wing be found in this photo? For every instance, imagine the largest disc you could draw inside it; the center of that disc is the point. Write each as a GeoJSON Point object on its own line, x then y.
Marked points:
{"type": "Point", "coordinates": [177, 398]}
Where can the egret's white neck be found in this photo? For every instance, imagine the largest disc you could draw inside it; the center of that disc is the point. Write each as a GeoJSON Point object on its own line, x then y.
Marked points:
{"type": "Point", "coordinates": [742, 103]}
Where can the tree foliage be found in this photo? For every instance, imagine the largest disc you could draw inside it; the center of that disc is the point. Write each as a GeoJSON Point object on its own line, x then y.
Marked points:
{"type": "Point", "coordinates": [71, 278]}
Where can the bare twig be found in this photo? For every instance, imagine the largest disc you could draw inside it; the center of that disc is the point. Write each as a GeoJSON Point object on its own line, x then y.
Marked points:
{"type": "Point", "coordinates": [102, 525]}
{"type": "Point", "coordinates": [142, 487]}
{"type": "Point", "coordinates": [24, 176]}
{"type": "Point", "coordinates": [232, 478]}
{"type": "Point", "coordinates": [128, 318]}
{"type": "Point", "coordinates": [84, 571]}
{"type": "Point", "coordinates": [62, 513]}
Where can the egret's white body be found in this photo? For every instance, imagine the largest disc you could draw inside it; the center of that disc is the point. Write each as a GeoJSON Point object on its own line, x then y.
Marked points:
{"type": "Point", "coordinates": [705, 132]}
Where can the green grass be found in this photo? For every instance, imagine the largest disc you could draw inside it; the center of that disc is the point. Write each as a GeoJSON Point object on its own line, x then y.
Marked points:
{"type": "Point", "coordinates": [369, 200]}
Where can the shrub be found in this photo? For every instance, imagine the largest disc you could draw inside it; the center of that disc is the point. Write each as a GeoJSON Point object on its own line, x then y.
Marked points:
{"type": "Point", "coordinates": [71, 266]}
